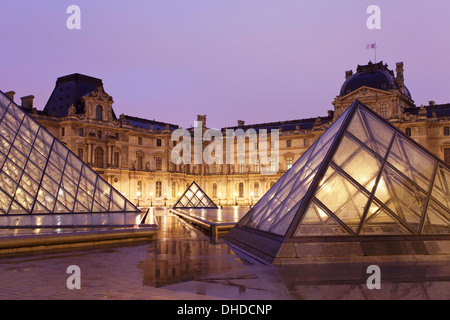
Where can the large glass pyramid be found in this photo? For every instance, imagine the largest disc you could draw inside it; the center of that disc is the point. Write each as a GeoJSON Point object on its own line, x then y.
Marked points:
{"type": "Point", "coordinates": [39, 176]}
{"type": "Point", "coordinates": [362, 177]}
{"type": "Point", "coordinates": [194, 197]}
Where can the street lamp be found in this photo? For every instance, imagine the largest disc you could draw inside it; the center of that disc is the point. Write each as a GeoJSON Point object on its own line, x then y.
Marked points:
{"type": "Point", "coordinates": [251, 199]}
{"type": "Point", "coordinates": [235, 195]}
{"type": "Point", "coordinates": [219, 199]}
{"type": "Point", "coordinates": [138, 196]}
{"type": "Point", "coordinates": [151, 199]}
{"type": "Point", "coordinates": [165, 198]}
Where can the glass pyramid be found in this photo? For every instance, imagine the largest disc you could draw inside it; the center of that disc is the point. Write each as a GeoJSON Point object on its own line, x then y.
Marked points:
{"type": "Point", "coordinates": [41, 176]}
{"type": "Point", "coordinates": [194, 197]}
{"type": "Point", "coordinates": [362, 177]}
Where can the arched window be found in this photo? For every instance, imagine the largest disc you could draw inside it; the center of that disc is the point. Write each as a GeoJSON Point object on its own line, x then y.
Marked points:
{"type": "Point", "coordinates": [241, 189]}
{"type": "Point", "coordinates": [158, 188]}
{"type": "Point", "coordinates": [99, 113]}
{"type": "Point", "coordinates": [98, 157]}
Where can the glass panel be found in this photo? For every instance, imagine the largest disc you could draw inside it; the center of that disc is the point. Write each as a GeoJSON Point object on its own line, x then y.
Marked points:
{"type": "Point", "coordinates": [437, 220]}
{"type": "Point", "coordinates": [118, 199]}
{"type": "Point", "coordinates": [17, 158]}
{"type": "Point", "coordinates": [401, 196]}
{"type": "Point", "coordinates": [53, 172]}
{"type": "Point", "coordinates": [50, 185]}
{"type": "Point", "coordinates": [282, 225]}
{"type": "Point", "coordinates": [98, 207]}
{"type": "Point", "coordinates": [29, 184]}
{"type": "Point", "coordinates": [37, 159]}
{"type": "Point", "coordinates": [66, 199]}
{"type": "Point", "coordinates": [89, 174]}
{"type": "Point", "coordinates": [79, 208]}
{"type": "Point", "coordinates": [379, 222]}
{"type": "Point", "coordinates": [4, 145]}
{"type": "Point", "coordinates": [33, 171]}
{"type": "Point", "coordinates": [316, 222]}
{"type": "Point", "coordinates": [360, 164]}
{"type": "Point", "coordinates": [74, 162]}
{"type": "Point", "coordinates": [57, 160]}
{"type": "Point", "coordinates": [86, 186]}
{"type": "Point", "coordinates": [11, 122]}
{"type": "Point", "coordinates": [16, 111]}
{"type": "Point", "coordinates": [12, 170]}
{"type": "Point", "coordinates": [46, 199]}
{"type": "Point", "coordinates": [371, 131]}
{"type": "Point", "coordinates": [5, 202]}
{"type": "Point", "coordinates": [69, 185]}
{"type": "Point", "coordinates": [83, 198]}
{"type": "Point", "coordinates": [412, 162]}
{"type": "Point", "coordinates": [41, 147]}
{"type": "Point", "coordinates": [16, 209]}
{"type": "Point", "coordinates": [342, 198]}
{"type": "Point", "coordinates": [441, 188]}
{"type": "Point", "coordinates": [24, 199]}
{"type": "Point", "coordinates": [22, 145]}
{"type": "Point", "coordinates": [26, 134]}
{"type": "Point", "coordinates": [60, 149]}
{"type": "Point", "coordinates": [39, 208]}
{"type": "Point", "coordinates": [60, 208]}
{"type": "Point", "coordinates": [7, 184]}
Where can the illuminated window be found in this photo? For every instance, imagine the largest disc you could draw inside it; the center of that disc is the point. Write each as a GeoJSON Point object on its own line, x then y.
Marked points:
{"type": "Point", "coordinates": [158, 188]}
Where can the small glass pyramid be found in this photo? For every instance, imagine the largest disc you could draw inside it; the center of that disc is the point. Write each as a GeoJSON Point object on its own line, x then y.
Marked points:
{"type": "Point", "coordinates": [362, 177]}
{"type": "Point", "coordinates": [194, 197]}
{"type": "Point", "coordinates": [41, 176]}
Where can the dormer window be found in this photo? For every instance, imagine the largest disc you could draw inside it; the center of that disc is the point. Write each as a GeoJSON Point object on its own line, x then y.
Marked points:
{"type": "Point", "coordinates": [99, 113]}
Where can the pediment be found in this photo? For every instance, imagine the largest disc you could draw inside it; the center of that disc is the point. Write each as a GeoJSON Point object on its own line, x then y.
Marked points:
{"type": "Point", "coordinates": [365, 92]}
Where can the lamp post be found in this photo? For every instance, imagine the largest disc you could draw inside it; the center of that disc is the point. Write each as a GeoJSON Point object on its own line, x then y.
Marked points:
{"type": "Point", "coordinates": [235, 195]}
{"type": "Point", "coordinates": [138, 196]}
{"type": "Point", "coordinates": [219, 200]}
{"type": "Point", "coordinates": [151, 199]}
{"type": "Point", "coordinates": [251, 199]}
{"type": "Point", "coordinates": [165, 198]}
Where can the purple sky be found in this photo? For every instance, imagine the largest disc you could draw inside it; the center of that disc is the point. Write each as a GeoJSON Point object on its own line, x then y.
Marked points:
{"type": "Point", "coordinates": [252, 60]}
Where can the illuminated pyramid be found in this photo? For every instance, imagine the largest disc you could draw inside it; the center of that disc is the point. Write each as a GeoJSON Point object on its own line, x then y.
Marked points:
{"type": "Point", "coordinates": [194, 197]}
{"type": "Point", "coordinates": [363, 188]}
{"type": "Point", "coordinates": [42, 183]}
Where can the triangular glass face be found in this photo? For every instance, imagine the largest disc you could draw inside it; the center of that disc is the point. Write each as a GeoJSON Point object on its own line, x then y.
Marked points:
{"type": "Point", "coordinates": [377, 182]}
{"type": "Point", "coordinates": [39, 175]}
{"type": "Point", "coordinates": [289, 190]}
{"type": "Point", "coordinates": [194, 197]}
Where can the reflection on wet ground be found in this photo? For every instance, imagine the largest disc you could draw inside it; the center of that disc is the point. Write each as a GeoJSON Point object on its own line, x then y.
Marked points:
{"type": "Point", "coordinates": [184, 263]}
{"type": "Point", "coordinates": [185, 260]}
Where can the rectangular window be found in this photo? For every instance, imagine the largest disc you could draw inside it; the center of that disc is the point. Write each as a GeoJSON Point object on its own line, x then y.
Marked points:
{"type": "Point", "coordinates": [288, 143]}
{"type": "Point", "coordinates": [140, 160]}
{"type": "Point", "coordinates": [306, 142]}
{"type": "Point", "coordinates": [116, 159]}
{"type": "Point", "coordinates": [288, 163]}
{"type": "Point", "coordinates": [158, 142]}
{"type": "Point", "coordinates": [241, 166]}
{"type": "Point", "coordinates": [81, 153]}
{"type": "Point", "coordinates": [140, 141]}
{"type": "Point", "coordinates": [256, 165]}
{"type": "Point", "coordinates": [158, 163]}
{"type": "Point", "coordinates": [158, 188]}
{"type": "Point", "coordinates": [447, 156]}
{"type": "Point", "coordinates": [63, 131]}
{"type": "Point", "coordinates": [81, 132]}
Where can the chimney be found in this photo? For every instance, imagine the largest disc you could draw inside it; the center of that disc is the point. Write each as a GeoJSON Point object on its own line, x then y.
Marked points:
{"type": "Point", "coordinates": [400, 78]}
{"type": "Point", "coordinates": [348, 74]}
{"type": "Point", "coordinates": [241, 123]}
{"type": "Point", "coordinates": [330, 113]}
{"type": "Point", "coordinates": [10, 94]}
{"type": "Point", "coordinates": [431, 103]}
{"type": "Point", "coordinates": [202, 119]}
{"type": "Point", "coordinates": [27, 102]}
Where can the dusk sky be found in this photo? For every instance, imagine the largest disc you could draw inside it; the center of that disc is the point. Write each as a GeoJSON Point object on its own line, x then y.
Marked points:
{"type": "Point", "coordinates": [252, 60]}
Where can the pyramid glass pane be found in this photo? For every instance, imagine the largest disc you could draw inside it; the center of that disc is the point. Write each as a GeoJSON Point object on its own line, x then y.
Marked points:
{"type": "Point", "coordinates": [412, 162]}
{"type": "Point", "coordinates": [317, 222]}
{"type": "Point", "coordinates": [39, 175]}
{"type": "Point", "coordinates": [441, 188]}
{"type": "Point", "coordinates": [380, 222]}
{"type": "Point", "coordinates": [401, 196]}
{"type": "Point", "coordinates": [342, 198]}
{"type": "Point", "coordinates": [194, 197]}
{"type": "Point", "coordinates": [437, 220]}
{"type": "Point", "coordinates": [370, 181]}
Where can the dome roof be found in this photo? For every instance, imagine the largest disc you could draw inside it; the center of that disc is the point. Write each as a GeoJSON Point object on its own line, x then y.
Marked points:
{"type": "Point", "coordinates": [376, 76]}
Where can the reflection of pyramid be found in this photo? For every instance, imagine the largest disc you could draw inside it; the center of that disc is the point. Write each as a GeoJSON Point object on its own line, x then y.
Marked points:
{"type": "Point", "coordinates": [194, 197]}
{"type": "Point", "coordinates": [362, 180]}
{"type": "Point", "coordinates": [40, 177]}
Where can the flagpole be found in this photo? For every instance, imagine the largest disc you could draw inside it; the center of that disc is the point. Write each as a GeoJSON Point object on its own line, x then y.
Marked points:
{"type": "Point", "coordinates": [375, 52]}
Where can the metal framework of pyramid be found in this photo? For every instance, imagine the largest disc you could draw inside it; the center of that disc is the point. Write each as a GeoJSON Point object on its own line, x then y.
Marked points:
{"type": "Point", "coordinates": [194, 198]}
{"type": "Point", "coordinates": [362, 181]}
{"type": "Point", "coordinates": [43, 183]}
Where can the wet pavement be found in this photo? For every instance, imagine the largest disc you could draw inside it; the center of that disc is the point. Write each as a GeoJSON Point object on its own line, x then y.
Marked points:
{"type": "Point", "coordinates": [184, 263]}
